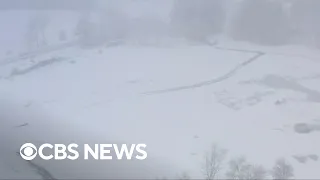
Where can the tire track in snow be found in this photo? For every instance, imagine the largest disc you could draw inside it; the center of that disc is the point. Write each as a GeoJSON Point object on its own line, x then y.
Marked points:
{"type": "Point", "coordinates": [212, 81]}
{"type": "Point", "coordinates": [41, 171]}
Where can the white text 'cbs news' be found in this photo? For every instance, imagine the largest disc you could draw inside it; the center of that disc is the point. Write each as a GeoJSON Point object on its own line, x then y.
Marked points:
{"type": "Point", "coordinates": [29, 151]}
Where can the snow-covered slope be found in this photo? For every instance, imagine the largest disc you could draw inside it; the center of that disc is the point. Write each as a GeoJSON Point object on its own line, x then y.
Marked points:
{"type": "Point", "coordinates": [177, 100]}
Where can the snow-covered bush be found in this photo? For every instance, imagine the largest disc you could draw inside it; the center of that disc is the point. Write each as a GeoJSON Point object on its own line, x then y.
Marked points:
{"type": "Point", "coordinates": [282, 170]}
{"type": "Point", "coordinates": [240, 168]}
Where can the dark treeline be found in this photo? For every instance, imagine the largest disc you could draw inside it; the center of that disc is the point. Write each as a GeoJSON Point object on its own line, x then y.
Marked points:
{"type": "Point", "coordinates": [265, 22]}
{"type": "Point", "coordinates": [268, 22]}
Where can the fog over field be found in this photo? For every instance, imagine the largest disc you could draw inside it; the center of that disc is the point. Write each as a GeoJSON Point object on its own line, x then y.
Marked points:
{"type": "Point", "coordinates": [215, 89]}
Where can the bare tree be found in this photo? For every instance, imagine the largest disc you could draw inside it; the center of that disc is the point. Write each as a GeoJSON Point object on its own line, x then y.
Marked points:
{"type": "Point", "coordinates": [35, 35]}
{"type": "Point", "coordinates": [237, 168]}
{"type": "Point", "coordinates": [282, 170]}
{"type": "Point", "coordinates": [213, 162]}
{"type": "Point", "coordinates": [241, 169]}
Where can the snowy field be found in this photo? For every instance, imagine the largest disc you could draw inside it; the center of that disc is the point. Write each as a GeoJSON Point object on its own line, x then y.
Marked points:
{"type": "Point", "coordinates": [177, 100]}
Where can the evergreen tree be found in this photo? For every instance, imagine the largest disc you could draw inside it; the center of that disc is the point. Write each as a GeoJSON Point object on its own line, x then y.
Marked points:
{"type": "Point", "coordinates": [262, 22]}
{"type": "Point", "coordinates": [199, 19]}
{"type": "Point", "coordinates": [305, 20]}
{"type": "Point", "coordinates": [35, 35]}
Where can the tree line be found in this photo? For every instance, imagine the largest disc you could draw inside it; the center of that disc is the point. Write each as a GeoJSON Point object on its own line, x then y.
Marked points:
{"type": "Point", "coordinates": [265, 22]}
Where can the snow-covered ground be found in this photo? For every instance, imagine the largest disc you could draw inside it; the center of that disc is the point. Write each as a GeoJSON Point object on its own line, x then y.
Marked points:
{"type": "Point", "coordinates": [177, 100]}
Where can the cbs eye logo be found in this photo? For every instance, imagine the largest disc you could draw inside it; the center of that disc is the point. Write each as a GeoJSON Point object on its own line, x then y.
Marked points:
{"type": "Point", "coordinates": [28, 151]}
